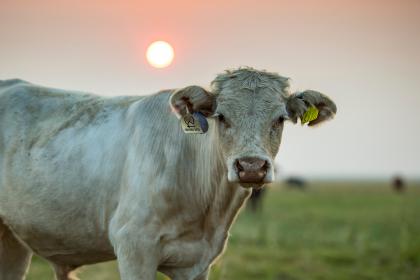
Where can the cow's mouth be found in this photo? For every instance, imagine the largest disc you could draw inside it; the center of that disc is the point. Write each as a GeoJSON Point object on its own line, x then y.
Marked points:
{"type": "Point", "coordinates": [253, 177]}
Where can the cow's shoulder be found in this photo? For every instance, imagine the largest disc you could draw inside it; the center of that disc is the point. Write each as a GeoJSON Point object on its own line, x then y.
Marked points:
{"type": "Point", "coordinates": [12, 82]}
{"type": "Point", "coordinates": [13, 87]}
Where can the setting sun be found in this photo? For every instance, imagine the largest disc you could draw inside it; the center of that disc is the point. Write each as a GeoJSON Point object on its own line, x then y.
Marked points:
{"type": "Point", "coordinates": [160, 54]}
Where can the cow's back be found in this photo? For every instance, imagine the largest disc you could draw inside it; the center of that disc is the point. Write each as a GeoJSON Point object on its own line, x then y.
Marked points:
{"type": "Point", "coordinates": [41, 113]}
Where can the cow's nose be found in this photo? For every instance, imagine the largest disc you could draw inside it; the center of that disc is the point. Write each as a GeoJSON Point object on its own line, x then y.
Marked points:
{"type": "Point", "coordinates": [251, 169]}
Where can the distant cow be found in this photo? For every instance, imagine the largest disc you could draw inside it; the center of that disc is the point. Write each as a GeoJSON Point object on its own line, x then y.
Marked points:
{"type": "Point", "coordinates": [256, 199]}
{"type": "Point", "coordinates": [296, 183]}
{"type": "Point", "coordinates": [86, 179]}
{"type": "Point", "coordinates": [398, 184]}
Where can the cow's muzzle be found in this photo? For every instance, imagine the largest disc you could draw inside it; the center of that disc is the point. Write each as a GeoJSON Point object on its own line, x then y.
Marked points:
{"type": "Point", "coordinates": [251, 170]}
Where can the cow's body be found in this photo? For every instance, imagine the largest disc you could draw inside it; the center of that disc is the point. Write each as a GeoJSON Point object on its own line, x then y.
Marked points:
{"type": "Point", "coordinates": [79, 172]}
{"type": "Point", "coordinates": [85, 179]}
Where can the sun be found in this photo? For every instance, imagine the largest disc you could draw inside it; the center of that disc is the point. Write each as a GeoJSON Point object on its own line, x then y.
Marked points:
{"type": "Point", "coordinates": [160, 54]}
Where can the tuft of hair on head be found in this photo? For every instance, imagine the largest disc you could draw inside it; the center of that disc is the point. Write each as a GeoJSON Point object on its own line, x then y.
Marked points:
{"type": "Point", "coordinates": [250, 78]}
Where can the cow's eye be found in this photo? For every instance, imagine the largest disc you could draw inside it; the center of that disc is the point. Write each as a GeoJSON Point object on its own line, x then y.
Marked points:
{"type": "Point", "coordinates": [221, 118]}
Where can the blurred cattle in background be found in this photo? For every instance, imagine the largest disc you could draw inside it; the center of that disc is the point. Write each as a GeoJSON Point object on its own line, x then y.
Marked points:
{"type": "Point", "coordinates": [398, 184]}
{"type": "Point", "coordinates": [256, 199]}
{"type": "Point", "coordinates": [295, 182]}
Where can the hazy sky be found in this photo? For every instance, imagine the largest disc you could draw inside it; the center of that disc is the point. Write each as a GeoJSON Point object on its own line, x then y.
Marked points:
{"type": "Point", "coordinates": [364, 54]}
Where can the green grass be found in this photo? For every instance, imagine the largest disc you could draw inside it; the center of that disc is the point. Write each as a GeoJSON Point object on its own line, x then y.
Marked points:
{"type": "Point", "coordinates": [331, 231]}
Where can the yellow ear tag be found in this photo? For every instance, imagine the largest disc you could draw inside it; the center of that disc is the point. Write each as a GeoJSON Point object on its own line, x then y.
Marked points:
{"type": "Point", "coordinates": [310, 115]}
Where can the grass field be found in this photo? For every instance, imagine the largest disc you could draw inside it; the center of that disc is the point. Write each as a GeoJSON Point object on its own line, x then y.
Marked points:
{"type": "Point", "coordinates": [330, 231]}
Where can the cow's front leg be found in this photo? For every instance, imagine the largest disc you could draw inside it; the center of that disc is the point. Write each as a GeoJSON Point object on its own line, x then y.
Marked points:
{"type": "Point", "coordinates": [203, 276]}
{"type": "Point", "coordinates": [189, 274]}
{"type": "Point", "coordinates": [137, 255]}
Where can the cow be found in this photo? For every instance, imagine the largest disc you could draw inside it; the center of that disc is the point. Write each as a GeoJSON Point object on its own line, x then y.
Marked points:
{"type": "Point", "coordinates": [398, 184]}
{"type": "Point", "coordinates": [255, 200]}
{"type": "Point", "coordinates": [87, 179]}
{"type": "Point", "coordinates": [296, 182]}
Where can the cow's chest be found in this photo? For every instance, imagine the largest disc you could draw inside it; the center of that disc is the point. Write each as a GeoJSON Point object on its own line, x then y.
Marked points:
{"type": "Point", "coordinates": [191, 241]}
{"type": "Point", "coordinates": [190, 255]}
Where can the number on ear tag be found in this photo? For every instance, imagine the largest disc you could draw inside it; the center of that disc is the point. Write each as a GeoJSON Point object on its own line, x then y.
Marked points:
{"type": "Point", "coordinates": [194, 123]}
{"type": "Point", "coordinates": [310, 115]}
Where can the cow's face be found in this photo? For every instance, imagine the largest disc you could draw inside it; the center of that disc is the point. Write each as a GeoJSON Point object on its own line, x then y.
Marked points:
{"type": "Point", "coordinates": [249, 126]}
{"type": "Point", "coordinates": [249, 108]}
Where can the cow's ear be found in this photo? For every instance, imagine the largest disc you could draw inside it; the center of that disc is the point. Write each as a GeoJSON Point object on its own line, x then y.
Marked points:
{"type": "Point", "coordinates": [193, 99]}
{"type": "Point", "coordinates": [298, 103]}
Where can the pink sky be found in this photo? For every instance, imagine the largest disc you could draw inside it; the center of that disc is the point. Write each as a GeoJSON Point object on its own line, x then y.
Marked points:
{"type": "Point", "coordinates": [364, 54]}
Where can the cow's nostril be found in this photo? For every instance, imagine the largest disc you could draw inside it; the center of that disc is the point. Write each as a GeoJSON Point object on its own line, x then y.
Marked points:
{"type": "Point", "coordinates": [265, 166]}
{"type": "Point", "coordinates": [239, 166]}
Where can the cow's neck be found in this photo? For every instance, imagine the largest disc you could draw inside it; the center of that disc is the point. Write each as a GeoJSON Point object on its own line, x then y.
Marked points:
{"type": "Point", "coordinates": [204, 166]}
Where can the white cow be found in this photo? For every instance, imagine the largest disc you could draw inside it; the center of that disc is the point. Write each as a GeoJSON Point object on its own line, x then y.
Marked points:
{"type": "Point", "coordinates": [87, 179]}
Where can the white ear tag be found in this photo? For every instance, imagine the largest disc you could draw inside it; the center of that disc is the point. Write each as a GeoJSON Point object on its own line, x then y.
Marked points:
{"type": "Point", "coordinates": [194, 123]}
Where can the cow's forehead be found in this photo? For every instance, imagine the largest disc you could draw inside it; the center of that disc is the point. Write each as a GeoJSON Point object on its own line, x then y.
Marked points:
{"type": "Point", "coordinates": [246, 97]}
{"type": "Point", "coordinates": [249, 90]}
{"type": "Point", "coordinates": [261, 102]}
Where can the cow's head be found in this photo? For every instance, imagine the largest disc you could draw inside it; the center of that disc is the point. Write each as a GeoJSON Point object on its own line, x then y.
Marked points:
{"type": "Point", "coordinates": [249, 108]}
